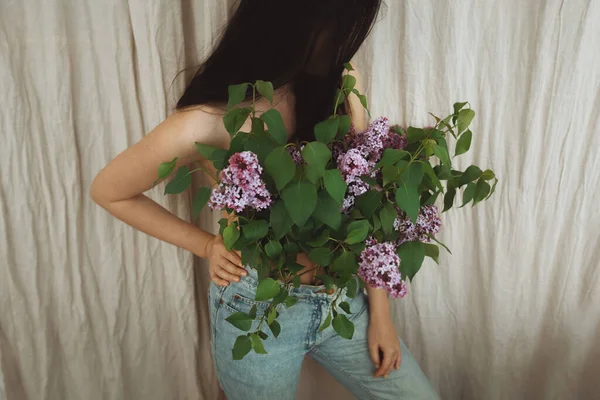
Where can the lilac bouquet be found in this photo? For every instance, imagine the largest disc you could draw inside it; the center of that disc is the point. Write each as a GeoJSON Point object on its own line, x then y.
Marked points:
{"type": "Point", "coordinates": [362, 205]}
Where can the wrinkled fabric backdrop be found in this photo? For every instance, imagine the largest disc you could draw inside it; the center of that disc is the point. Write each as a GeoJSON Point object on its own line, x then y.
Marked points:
{"type": "Point", "coordinates": [91, 309]}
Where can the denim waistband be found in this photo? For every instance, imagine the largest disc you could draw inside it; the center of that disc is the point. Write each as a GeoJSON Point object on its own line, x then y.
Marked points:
{"type": "Point", "coordinates": [315, 291]}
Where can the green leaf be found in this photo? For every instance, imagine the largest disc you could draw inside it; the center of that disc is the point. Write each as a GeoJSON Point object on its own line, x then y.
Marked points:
{"type": "Point", "coordinates": [389, 173]}
{"type": "Point", "coordinates": [241, 347]}
{"type": "Point", "coordinates": [413, 175]}
{"type": "Point", "coordinates": [348, 82]}
{"type": "Point", "coordinates": [391, 156]}
{"type": "Point", "coordinates": [265, 89]}
{"type": "Point", "coordinates": [200, 200]}
{"type": "Point", "coordinates": [240, 320]}
{"type": "Point", "coordinates": [257, 344]}
{"type": "Point", "coordinates": [344, 125]}
{"type": "Point", "coordinates": [252, 312]}
{"type": "Point", "coordinates": [237, 94]}
{"type": "Point", "coordinates": [327, 211]}
{"type": "Point", "coordinates": [469, 193]}
{"type": "Point", "coordinates": [267, 289]}
{"type": "Point", "coordinates": [273, 249]}
{"type": "Point", "coordinates": [432, 251]}
{"type": "Point", "coordinates": [464, 143]}
{"type": "Point", "coordinates": [263, 335]}
{"type": "Point", "coordinates": [362, 98]}
{"type": "Point", "coordinates": [351, 288]}
{"type": "Point", "coordinates": [166, 168]}
{"type": "Point", "coordinates": [464, 119]}
{"type": "Point", "coordinates": [357, 231]}
{"type": "Point", "coordinates": [276, 127]}
{"type": "Point", "coordinates": [415, 134]}
{"type": "Point", "coordinates": [238, 142]}
{"type": "Point", "coordinates": [218, 157]}
{"type": "Point", "coordinates": [441, 153]}
{"type": "Point", "coordinates": [223, 222]}
{"type": "Point", "coordinates": [488, 175]}
{"type": "Point", "coordinates": [275, 328]}
{"type": "Point", "coordinates": [321, 256]}
{"type": "Point", "coordinates": [431, 200]}
{"type": "Point", "coordinates": [326, 130]}
{"type": "Point", "coordinates": [459, 106]}
{"type": "Point", "coordinates": [271, 315]}
{"type": "Point", "coordinates": [346, 262]}
{"type": "Point", "coordinates": [481, 191]}
{"type": "Point", "coordinates": [343, 326]}
{"type": "Point", "coordinates": [300, 201]}
{"type": "Point", "coordinates": [411, 255]}
{"type": "Point", "coordinates": [230, 235]}
{"type": "Point", "coordinates": [387, 215]}
{"type": "Point", "coordinates": [348, 66]}
{"type": "Point", "coordinates": [280, 166]}
{"type": "Point", "coordinates": [339, 97]}
{"type": "Point", "coordinates": [235, 119]}
{"type": "Point", "coordinates": [290, 301]}
{"type": "Point", "coordinates": [368, 202]}
{"type": "Point", "coordinates": [325, 323]}
{"type": "Point", "coordinates": [449, 199]}
{"type": "Point", "coordinates": [431, 174]}
{"type": "Point", "coordinates": [250, 255]}
{"type": "Point", "coordinates": [345, 306]}
{"type": "Point", "coordinates": [280, 221]}
{"type": "Point", "coordinates": [493, 189]}
{"type": "Point", "coordinates": [327, 281]}
{"type": "Point", "coordinates": [471, 174]}
{"type": "Point", "coordinates": [407, 198]}
{"type": "Point", "coordinates": [181, 181]}
{"type": "Point", "coordinates": [440, 243]}
{"type": "Point", "coordinates": [256, 229]}
{"type": "Point", "coordinates": [321, 239]}
{"type": "Point", "coordinates": [335, 185]}
{"type": "Point", "coordinates": [296, 281]}
{"type": "Point", "coordinates": [316, 155]}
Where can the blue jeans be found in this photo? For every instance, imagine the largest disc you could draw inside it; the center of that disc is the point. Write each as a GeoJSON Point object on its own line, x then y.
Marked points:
{"type": "Point", "coordinates": [275, 376]}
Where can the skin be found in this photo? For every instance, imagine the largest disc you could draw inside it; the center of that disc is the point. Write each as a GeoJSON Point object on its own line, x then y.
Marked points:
{"type": "Point", "coordinates": [119, 188]}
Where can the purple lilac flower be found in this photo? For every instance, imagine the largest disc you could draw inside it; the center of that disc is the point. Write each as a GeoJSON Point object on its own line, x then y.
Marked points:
{"type": "Point", "coordinates": [365, 150]}
{"type": "Point", "coordinates": [378, 266]}
{"type": "Point", "coordinates": [296, 154]}
{"type": "Point", "coordinates": [428, 223]}
{"type": "Point", "coordinates": [240, 185]}
{"type": "Point", "coordinates": [353, 164]}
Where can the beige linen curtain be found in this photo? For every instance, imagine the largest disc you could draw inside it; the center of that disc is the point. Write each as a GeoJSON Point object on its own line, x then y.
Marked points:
{"type": "Point", "coordinates": [91, 309]}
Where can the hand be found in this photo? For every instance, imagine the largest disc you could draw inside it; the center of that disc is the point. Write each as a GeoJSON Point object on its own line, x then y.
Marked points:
{"type": "Point", "coordinates": [224, 266]}
{"type": "Point", "coordinates": [384, 346]}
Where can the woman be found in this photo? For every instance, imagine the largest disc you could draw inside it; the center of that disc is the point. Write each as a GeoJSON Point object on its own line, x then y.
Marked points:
{"type": "Point", "coordinates": [300, 46]}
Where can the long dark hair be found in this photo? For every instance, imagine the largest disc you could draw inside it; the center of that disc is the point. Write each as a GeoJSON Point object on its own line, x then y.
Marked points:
{"type": "Point", "coordinates": [303, 42]}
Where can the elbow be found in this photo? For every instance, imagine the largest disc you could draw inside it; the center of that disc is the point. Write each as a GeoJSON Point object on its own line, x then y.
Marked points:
{"type": "Point", "coordinates": [95, 193]}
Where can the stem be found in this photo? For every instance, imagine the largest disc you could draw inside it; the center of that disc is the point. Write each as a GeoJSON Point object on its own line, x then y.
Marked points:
{"type": "Point", "coordinates": [202, 168]}
{"type": "Point", "coordinates": [253, 101]}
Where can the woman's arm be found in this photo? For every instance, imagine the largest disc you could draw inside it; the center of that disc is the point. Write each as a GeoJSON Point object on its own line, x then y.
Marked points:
{"type": "Point", "coordinates": [382, 335]}
{"type": "Point", "coordinates": [119, 187]}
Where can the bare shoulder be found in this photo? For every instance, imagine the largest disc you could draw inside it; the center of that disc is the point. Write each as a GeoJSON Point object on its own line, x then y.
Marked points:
{"type": "Point", "coordinates": [203, 124]}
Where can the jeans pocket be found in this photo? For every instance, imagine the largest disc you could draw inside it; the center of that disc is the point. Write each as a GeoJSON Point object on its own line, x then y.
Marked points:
{"type": "Point", "coordinates": [240, 299]}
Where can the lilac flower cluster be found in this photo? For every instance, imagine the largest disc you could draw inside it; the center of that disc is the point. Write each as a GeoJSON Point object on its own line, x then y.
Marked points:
{"type": "Point", "coordinates": [428, 223]}
{"type": "Point", "coordinates": [378, 266]}
{"type": "Point", "coordinates": [365, 150]}
{"type": "Point", "coordinates": [240, 185]}
{"type": "Point", "coordinates": [296, 154]}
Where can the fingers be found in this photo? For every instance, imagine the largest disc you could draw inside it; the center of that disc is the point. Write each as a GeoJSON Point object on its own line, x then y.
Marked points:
{"type": "Point", "coordinates": [389, 359]}
{"type": "Point", "coordinates": [374, 353]}
{"type": "Point", "coordinates": [226, 275]}
{"type": "Point", "coordinates": [218, 281]}
{"type": "Point", "coordinates": [398, 360]}
{"type": "Point", "coordinates": [236, 262]}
